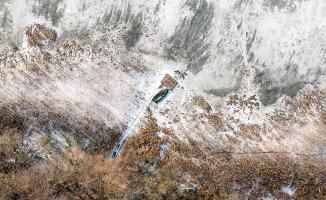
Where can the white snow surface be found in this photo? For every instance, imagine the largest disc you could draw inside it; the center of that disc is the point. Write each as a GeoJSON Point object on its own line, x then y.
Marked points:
{"type": "Point", "coordinates": [287, 190]}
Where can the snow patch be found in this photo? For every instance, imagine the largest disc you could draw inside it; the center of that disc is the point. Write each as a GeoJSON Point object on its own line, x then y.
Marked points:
{"type": "Point", "coordinates": [287, 190]}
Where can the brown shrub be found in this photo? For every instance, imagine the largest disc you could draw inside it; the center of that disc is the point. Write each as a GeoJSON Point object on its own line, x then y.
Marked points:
{"type": "Point", "coordinates": [13, 153]}
{"type": "Point", "coordinates": [243, 102]}
{"type": "Point", "coordinates": [139, 172]}
{"type": "Point", "coordinates": [9, 120]}
{"type": "Point", "coordinates": [226, 174]}
{"type": "Point", "coordinates": [202, 103]}
{"type": "Point", "coordinates": [150, 177]}
{"type": "Point", "coordinates": [72, 175]}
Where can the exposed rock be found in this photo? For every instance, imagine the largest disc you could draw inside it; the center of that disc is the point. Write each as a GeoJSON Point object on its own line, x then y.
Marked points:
{"type": "Point", "coordinates": [39, 35]}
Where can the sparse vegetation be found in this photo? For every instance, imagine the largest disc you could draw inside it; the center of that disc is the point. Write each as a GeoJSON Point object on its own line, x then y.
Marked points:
{"type": "Point", "coordinates": [13, 153]}
{"type": "Point", "coordinates": [71, 175]}
{"type": "Point", "coordinates": [182, 171]}
{"type": "Point", "coordinates": [202, 103]}
{"type": "Point", "coordinates": [243, 102]}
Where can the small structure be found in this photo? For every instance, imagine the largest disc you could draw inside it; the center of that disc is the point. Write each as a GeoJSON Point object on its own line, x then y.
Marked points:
{"type": "Point", "coordinates": [168, 82]}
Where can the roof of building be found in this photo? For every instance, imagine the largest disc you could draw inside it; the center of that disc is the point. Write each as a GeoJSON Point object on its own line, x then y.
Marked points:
{"type": "Point", "coordinates": [168, 82]}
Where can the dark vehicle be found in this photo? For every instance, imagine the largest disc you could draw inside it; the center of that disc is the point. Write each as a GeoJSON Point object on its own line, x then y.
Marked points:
{"type": "Point", "coordinates": [159, 96]}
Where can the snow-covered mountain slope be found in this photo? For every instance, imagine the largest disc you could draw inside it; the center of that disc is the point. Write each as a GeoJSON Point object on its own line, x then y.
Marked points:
{"type": "Point", "coordinates": [247, 59]}
{"type": "Point", "coordinates": [246, 121]}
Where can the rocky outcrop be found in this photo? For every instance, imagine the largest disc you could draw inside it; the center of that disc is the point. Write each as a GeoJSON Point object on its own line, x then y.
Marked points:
{"type": "Point", "coordinates": [39, 35]}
